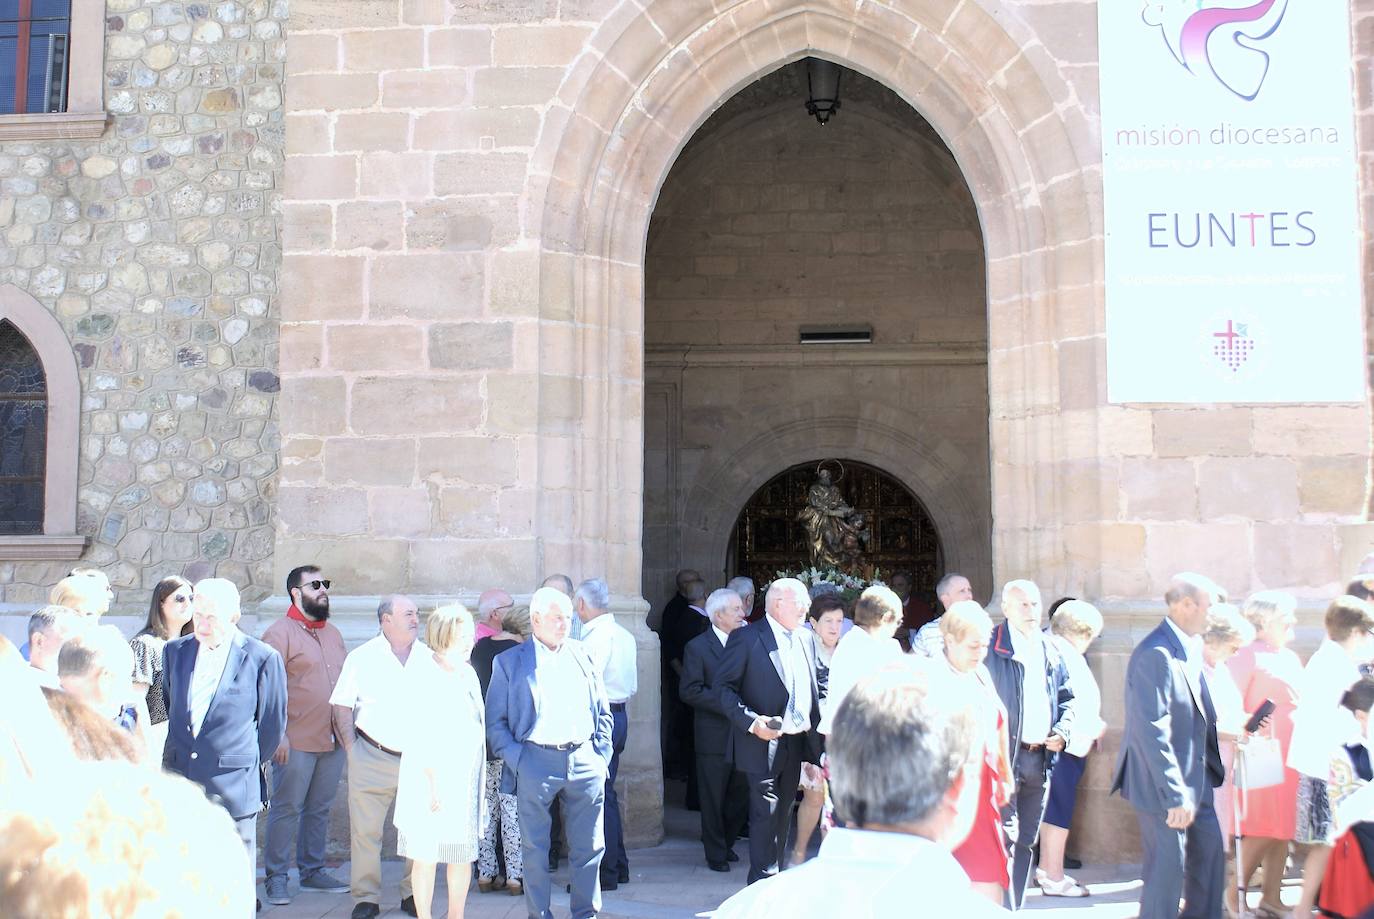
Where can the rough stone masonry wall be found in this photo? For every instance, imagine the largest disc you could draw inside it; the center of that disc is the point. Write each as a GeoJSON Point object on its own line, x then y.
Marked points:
{"type": "Point", "coordinates": [157, 249]}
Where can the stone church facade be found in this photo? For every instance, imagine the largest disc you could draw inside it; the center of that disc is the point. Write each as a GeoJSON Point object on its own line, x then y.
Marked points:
{"type": "Point", "coordinates": [450, 294]}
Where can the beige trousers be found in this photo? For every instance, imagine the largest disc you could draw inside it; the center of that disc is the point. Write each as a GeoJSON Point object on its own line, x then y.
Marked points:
{"type": "Point", "coordinates": [371, 789]}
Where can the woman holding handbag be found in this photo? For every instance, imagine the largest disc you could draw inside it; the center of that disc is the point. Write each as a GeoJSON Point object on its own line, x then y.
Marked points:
{"type": "Point", "coordinates": [1267, 669]}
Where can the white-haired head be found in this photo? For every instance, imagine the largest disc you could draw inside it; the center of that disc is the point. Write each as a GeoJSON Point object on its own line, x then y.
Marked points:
{"type": "Point", "coordinates": [591, 599]}
{"type": "Point", "coordinates": [217, 610]}
{"type": "Point", "coordinates": [1021, 606]}
{"type": "Point", "coordinates": [551, 614]}
{"type": "Point", "coordinates": [787, 602]}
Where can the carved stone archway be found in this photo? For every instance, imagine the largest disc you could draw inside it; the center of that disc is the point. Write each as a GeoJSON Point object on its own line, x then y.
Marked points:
{"type": "Point", "coordinates": [649, 77]}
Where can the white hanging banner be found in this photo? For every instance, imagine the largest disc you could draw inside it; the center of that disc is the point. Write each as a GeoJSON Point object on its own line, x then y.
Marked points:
{"type": "Point", "coordinates": [1231, 202]}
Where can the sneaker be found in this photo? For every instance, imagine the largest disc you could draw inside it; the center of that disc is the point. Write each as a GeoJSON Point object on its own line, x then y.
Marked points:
{"type": "Point", "coordinates": [321, 881]}
{"type": "Point", "coordinates": [276, 890]}
{"type": "Point", "coordinates": [1067, 887]}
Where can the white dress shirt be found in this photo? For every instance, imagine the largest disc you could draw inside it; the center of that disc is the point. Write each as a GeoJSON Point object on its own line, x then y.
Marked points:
{"type": "Point", "coordinates": [796, 673]}
{"type": "Point", "coordinates": [856, 656]}
{"type": "Point", "coordinates": [1192, 647]}
{"type": "Point", "coordinates": [205, 679]}
{"type": "Point", "coordinates": [611, 649]}
{"type": "Point", "coordinates": [724, 637]}
{"type": "Point", "coordinates": [1037, 711]}
{"type": "Point", "coordinates": [861, 874]}
{"type": "Point", "coordinates": [564, 710]}
{"type": "Point", "coordinates": [371, 684]}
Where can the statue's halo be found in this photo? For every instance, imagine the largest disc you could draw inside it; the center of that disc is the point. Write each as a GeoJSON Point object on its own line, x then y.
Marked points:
{"type": "Point", "coordinates": [822, 463]}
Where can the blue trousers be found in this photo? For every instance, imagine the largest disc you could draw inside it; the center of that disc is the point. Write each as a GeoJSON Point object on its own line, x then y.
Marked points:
{"type": "Point", "coordinates": [615, 860]}
{"type": "Point", "coordinates": [1189, 862]}
{"type": "Point", "coordinates": [578, 779]}
{"type": "Point", "coordinates": [302, 794]}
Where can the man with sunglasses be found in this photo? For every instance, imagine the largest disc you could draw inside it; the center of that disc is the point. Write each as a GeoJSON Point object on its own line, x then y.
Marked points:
{"type": "Point", "coordinates": [310, 759]}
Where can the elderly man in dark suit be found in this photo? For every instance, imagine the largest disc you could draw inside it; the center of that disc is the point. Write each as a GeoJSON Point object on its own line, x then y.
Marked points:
{"type": "Point", "coordinates": [768, 689]}
{"type": "Point", "coordinates": [1170, 760]}
{"type": "Point", "coordinates": [549, 721]}
{"type": "Point", "coordinates": [724, 795]}
{"type": "Point", "coordinates": [226, 709]}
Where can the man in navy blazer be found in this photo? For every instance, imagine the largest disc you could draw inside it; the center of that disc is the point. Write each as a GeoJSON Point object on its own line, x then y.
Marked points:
{"type": "Point", "coordinates": [1170, 760]}
{"type": "Point", "coordinates": [724, 796]}
{"type": "Point", "coordinates": [549, 721]}
{"type": "Point", "coordinates": [226, 708]}
{"type": "Point", "coordinates": [768, 690]}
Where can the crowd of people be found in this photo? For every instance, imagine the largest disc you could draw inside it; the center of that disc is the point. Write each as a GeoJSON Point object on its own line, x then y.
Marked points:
{"type": "Point", "coordinates": [942, 750]}
{"type": "Point", "coordinates": [1225, 733]}
{"type": "Point", "coordinates": [526, 752]}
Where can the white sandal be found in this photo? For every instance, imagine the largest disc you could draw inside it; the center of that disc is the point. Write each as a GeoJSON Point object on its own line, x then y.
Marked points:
{"type": "Point", "coordinates": [1067, 887]}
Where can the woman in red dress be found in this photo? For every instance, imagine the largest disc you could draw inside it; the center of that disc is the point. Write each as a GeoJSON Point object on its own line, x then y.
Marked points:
{"type": "Point", "coordinates": [966, 629]}
{"type": "Point", "coordinates": [1266, 669]}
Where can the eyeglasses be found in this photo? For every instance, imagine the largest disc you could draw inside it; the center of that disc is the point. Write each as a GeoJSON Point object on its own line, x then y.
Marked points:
{"type": "Point", "coordinates": [316, 585]}
{"type": "Point", "coordinates": [182, 598]}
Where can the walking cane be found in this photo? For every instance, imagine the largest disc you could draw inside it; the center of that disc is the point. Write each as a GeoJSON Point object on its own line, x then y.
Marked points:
{"type": "Point", "coordinates": [1239, 799]}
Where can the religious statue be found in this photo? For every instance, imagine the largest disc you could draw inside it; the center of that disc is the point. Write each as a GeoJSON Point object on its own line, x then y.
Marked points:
{"type": "Point", "coordinates": [836, 534]}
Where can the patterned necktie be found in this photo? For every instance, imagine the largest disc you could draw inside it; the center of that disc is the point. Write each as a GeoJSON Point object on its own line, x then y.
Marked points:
{"type": "Point", "coordinates": [794, 688]}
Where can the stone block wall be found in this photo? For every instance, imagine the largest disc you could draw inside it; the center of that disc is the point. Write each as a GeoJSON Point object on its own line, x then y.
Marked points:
{"type": "Point", "coordinates": [156, 246]}
{"type": "Point", "coordinates": [409, 349]}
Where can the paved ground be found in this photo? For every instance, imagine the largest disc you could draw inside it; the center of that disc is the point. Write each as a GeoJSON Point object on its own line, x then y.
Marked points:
{"type": "Point", "coordinates": [671, 881]}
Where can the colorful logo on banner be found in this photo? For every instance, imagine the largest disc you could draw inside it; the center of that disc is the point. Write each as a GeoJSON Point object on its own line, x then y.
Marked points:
{"type": "Point", "coordinates": [1233, 344]}
{"type": "Point", "coordinates": [1208, 36]}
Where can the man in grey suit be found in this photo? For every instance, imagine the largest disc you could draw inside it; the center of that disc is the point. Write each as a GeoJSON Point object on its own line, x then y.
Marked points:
{"type": "Point", "coordinates": [549, 721]}
{"type": "Point", "coordinates": [1170, 760]}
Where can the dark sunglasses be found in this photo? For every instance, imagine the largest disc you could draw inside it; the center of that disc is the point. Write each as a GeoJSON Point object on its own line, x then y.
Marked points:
{"type": "Point", "coordinates": [316, 585]}
{"type": "Point", "coordinates": [182, 598]}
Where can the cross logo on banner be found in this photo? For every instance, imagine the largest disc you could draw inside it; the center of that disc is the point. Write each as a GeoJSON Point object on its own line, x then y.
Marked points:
{"type": "Point", "coordinates": [1234, 345]}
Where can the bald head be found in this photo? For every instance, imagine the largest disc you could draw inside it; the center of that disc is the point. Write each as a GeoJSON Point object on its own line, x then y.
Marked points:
{"type": "Point", "coordinates": [492, 605]}
{"type": "Point", "coordinates": [561, 583]}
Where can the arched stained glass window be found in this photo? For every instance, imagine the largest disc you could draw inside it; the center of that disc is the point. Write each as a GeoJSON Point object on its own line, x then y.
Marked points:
{"type": "Point", "coordinates": [23, 434]}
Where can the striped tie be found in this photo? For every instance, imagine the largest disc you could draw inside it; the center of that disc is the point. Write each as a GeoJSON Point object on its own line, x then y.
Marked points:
{"type": "Point", "coordinates": [794, 687]}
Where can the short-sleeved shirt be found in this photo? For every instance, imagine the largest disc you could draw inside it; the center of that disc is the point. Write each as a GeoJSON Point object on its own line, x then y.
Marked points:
{"type": "Point", "coordinates": [611, 649]}
{"type": "Point", "coordinates": [314, 658]}
{"type": "Point", "coordinates": [147, 649]}
{"type": "Point", "coordinates": [371, 685]}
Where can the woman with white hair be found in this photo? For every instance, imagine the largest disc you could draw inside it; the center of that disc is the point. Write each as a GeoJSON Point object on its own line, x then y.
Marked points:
{"type": "Point", "coordinates": [1074, 626]}
{"type": "Point", "coordinates": [1227, 632]}
{"type": "Point", "coordinates": [439, 800]}
{"type": "Point", "coordinates": [966, 628]}
{"type": "Point", "coordinates": [1267, 669]}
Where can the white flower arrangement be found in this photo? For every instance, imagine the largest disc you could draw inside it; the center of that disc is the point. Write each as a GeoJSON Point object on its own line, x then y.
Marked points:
{"type": "Point", "coordinates": [849, 584]}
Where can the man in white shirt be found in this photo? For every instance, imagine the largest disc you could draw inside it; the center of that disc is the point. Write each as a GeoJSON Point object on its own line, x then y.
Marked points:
{"type": "Point", "coordinates": [868, 647]}
{"type": "Point", "coordinates": [611, 649]}
{"type": "Point", "coordinates": [550, 724]}
{"type": "Point", "coordinates": [950, 589]}
{"type": "Point", "coordinates": [901, 769]}
{"type": "Point", "coordinates": [370, 710]}
{"type": "Point", "coordinates": [1033, 683]}
{"type": "Point", "coordinates": [768, 691]}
